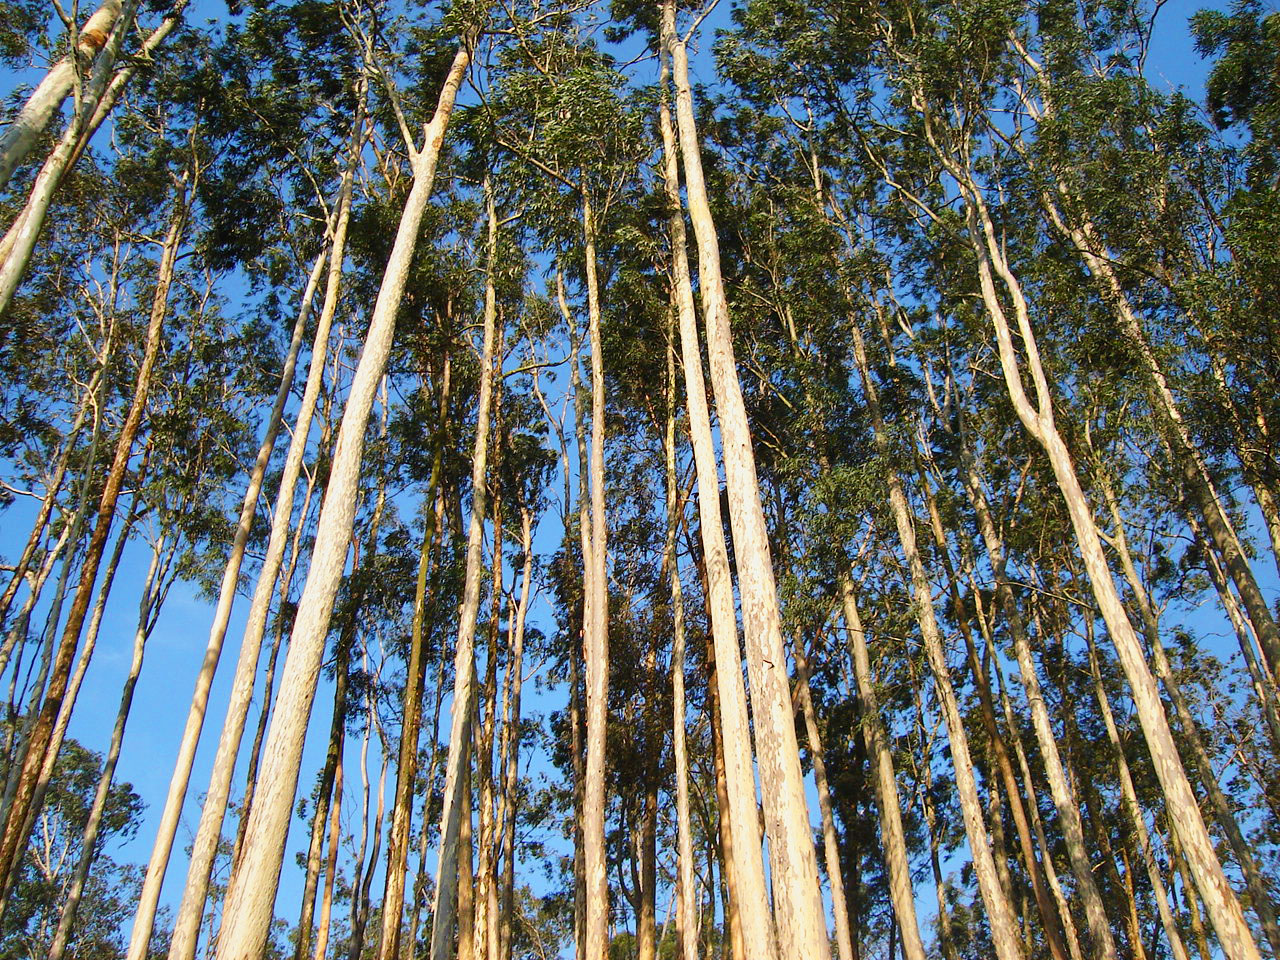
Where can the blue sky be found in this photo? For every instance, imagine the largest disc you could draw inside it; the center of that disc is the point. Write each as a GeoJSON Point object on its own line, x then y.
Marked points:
{"type": "Point", "coordinates": [177, 645]}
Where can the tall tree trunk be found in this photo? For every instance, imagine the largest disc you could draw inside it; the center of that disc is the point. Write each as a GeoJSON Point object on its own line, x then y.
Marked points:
{"type": "Point", "coordinates": [1187, 461]}
{"type": "Point", "coordinates": [181, 778]}
{"type": "Point", "coordinates": [250, 900]}
{"type": "Point", "coordinates": [686, 895]}
{"type": "Point", "coordinates": [22, 810]}
{"type": "Point", "coordinates": [466, 876]}
{"type": "Point", "coordinates": [407, 756]}
{"type": "Point", "coordinates": [331, 864]}
{"type": "Point", "coordinates": [596, 627]}
{"type": "Point", "coordinates": [576, 647]}
{"type": "Point", "coordinates": [1258, 891]}
{"type": "Point", "coordinates": [326, 789]}
{"type": "Point", "coordinates": [798, 909]}
{"type": "Point", "coordinates": [1137, 821]}
{"type": "Point", "coordinates": [1064, 800]}
{"type": "Point", "coordinates": [749, 914]}
{"type": "Point", "coordinates": [1004, 931]}
{"type": "Point", "coordinates": [923, 775]}
{"type": "Point", "coordinates": [486, 892]}
{"type": "Point", "coordinates": [457, 806]}
{"type": "Point", "coordinates": [186, 927]}
{"type": "Point", "coordinates": [420, 881]}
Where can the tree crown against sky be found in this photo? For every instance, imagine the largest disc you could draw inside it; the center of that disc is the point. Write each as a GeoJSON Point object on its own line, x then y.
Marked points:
{"type": "Point", "coordinates": [639, 479]}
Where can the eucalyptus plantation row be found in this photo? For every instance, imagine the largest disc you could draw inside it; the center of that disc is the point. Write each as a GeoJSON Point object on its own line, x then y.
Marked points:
{"type": "Point", "coordinates": [789, 482]}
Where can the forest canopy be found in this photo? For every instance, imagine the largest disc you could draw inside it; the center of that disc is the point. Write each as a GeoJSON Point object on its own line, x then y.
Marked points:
{"type": "Point", "coordinates": [750, 480]}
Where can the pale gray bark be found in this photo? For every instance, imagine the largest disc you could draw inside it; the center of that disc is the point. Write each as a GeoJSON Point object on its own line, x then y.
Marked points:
{"type": "Point", "coordinates": [455, 810]}
{"type": "Point", "coordinates": [1064, 799]}
{"type": "Point", "coordinates": [595, 628]}
{"type": "Point", "coordinates": [1038, 418]}
{"type": "Point", "coordinates": [798, 908]}
{"type": "Point", "coordinates": [750, 895]}
{"type": "Point", "coordinates": [20, 138]}
{"type": "Point", "coordinates": [831, 845]}
{"type": "Point", "coordinates": [249, 906]}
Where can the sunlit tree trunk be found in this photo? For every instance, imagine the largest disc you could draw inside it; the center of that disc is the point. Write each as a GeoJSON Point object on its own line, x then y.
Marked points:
{"type": "Point", "coordinates": [595, 627]}
{"type": "Point", "coordinates": [21, 811]}
{"type": "Point", "coordinates": [798, 909]}
{"type": "Point", "coordinates": [1047, 907]}
{"type": "Point", "coordinates": [888, 804]}
{"type": "Point", "coordinates": [1259, 894]}
{"type": "Point", "coordinates": [1134, 811]}
{"type": "Point", "coordinates": [1064, 799]}
{"type": "Point", "coordinates": [831, 845]}
{"type": "Point", "coordinates": [250, 900]}
{"type": "Point", "coordinates": [326, 791]}
{"type": "Point", "coordinates": [457, 807]}
{"type": "Point", "coordinates": [740, 824]}
{"type": "Point", "coordinates": [47, 98]}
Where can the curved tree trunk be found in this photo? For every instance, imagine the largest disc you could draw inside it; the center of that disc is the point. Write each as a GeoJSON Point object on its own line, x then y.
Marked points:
{"type": "Point", "coordinates": [1219, 898]}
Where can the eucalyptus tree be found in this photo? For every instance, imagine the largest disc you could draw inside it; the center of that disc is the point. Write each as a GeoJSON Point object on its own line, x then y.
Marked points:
{"type": "Point", "coordinates": [248, 909]}
{"type": "Point", "coordinates": [23, 806]}
{"type": "Point", "coordinates": [95, 100]}
{"type": "Point", "coordinates": [581, 135]}
{"type": "Point", "coordinates": [954, 148]}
